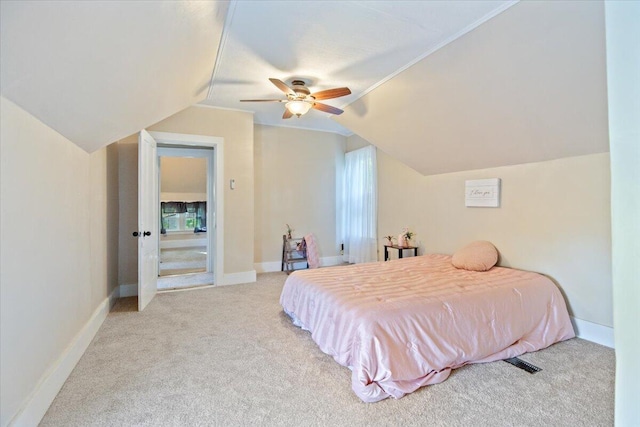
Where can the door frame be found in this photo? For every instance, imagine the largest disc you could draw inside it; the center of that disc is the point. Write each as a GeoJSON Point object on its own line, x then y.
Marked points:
{"type": "Point", "coordinates": [215, 192]}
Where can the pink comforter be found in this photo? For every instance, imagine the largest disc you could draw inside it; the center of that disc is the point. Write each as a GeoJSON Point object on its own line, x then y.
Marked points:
{"type": "Point", "coordinates": [403, 324]}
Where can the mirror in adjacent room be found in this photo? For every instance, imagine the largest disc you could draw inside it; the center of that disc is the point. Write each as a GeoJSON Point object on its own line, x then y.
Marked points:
{"type": "Point", "coordinates": [183, 215]}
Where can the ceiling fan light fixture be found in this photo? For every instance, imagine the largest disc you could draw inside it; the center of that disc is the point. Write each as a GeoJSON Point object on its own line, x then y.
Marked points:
{"type": "Point", "coordinates": [300, 100]}
{"type": "Point", "coordinates": [298, 107]}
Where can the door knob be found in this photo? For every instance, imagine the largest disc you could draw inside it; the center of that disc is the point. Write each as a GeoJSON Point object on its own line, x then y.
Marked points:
{"type": "Point", "coordinates": [136, 234]}
{"type": "Point", "coordinates": [147, 233]}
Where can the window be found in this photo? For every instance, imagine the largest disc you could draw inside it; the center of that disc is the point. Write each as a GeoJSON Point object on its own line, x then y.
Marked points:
{"type": "Point", "coordinates": [183, 216]}
{"type": "Point", "coordinates": [360, 206]}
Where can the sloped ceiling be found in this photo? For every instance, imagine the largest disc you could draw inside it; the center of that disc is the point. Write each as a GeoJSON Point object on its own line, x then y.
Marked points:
{"type": "Point", "coordinates": [330, 44]}
{"type": "Point", "coordinates": [528, 85]}
{"type": "Point", "coordinates": [493, 83]}
{"type": "Point", "coordinates": [100, 71]}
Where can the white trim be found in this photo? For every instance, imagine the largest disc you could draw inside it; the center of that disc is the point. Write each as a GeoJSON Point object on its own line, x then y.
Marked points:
{"type": "Point", "coordinates": [128, 290]}
{"type": "Point", "coordinates": [38, 402]}
{"type": "Point", "coordinates": [329, 261]}
{"type": "Point", "coordinates": [593, 332]}
{"type": "Point", "coordinates": [241, 277]}
{"type": "Point", "coordinates": [172, 138]}
{"type": "Point", "coordinates": [267, 267]}
{"type": "Point", "coordinates": [439, 46]}
{"type": "Point", "coordinates": [335, 132]}
{"type": "Point", "coordinates": [273, 266]}
{"type": "Point", "coordinates": [223, 42]}
{"type": "Point", "coordinates": [215, 107]}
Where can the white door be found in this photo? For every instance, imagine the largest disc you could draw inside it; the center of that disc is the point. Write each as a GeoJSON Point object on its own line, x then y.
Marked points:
{"type": "Point", "coordinates": [148, 222]}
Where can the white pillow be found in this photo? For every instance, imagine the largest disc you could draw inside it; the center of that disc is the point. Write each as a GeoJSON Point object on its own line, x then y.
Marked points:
{"type": "Point", "coordinates": [476, 256]}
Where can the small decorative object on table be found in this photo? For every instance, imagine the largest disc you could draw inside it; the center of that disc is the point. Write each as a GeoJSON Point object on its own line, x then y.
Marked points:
{"type": "Point", "coordinates": [404, 239]}
{"type": "Point", "coordinates": [289, 230]}
{"type": "Point", "coordinates": [389, 240]}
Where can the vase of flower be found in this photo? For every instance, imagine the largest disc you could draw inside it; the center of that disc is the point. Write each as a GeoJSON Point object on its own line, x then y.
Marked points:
{"type": "Point", "coordinates": [404, 239]}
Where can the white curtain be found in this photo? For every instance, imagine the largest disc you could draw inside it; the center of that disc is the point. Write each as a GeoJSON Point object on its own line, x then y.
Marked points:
{"type": "Point", "coordinates": [360, 206]}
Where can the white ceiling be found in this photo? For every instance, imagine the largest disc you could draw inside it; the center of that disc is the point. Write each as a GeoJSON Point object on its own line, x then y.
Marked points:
{"type": "Point", "coordinates": [98, 71]}
{"type": "Point", "coordinates": [358, 44]}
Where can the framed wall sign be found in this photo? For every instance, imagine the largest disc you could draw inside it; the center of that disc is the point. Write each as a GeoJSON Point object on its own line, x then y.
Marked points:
{"type": "Point", "coordinates": [484, 193]}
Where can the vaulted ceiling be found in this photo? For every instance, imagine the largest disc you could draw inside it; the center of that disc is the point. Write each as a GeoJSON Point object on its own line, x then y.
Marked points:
{"type": "Point", "coordinates": [359, 44]}
{"type": "Point", "coordinates": [530, 85]}
{"type": "Point", "coordinates": [100, 71]}
{"type": "Point", "coordinates": [441, 85]}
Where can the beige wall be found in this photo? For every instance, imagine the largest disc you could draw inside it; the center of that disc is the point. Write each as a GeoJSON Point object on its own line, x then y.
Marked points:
{"type": "Point", "coordinates": [104, 221]}
{"type": "Point", "coordinates": [237, 130]}
{"type": "Point", "coordinates": [58, 255]}
{"type": "Point", "coordinates": [554, 219]}
{"type": "Point", "coordinates": [183, 175]}
{"type": "Point", "coordinates": [128, 210]}
{"type": "Point", "coordinates": [295, 184]}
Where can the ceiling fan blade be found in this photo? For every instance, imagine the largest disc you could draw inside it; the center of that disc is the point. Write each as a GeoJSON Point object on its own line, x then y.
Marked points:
{"type": "Point", "coordinates": [332, 93]}
{"type": "Point", "coordinates": [287, 114]}
{"type": "Point", "coordinates": [262, 100]}
{"type": "Point", "coordinates": [283, 87]}
{"type": "Point", "coordinates": [327, 108]}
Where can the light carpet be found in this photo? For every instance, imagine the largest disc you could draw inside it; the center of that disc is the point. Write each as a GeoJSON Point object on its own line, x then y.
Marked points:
{"type": "Point", "coordinates": [183, 260]}
{"type": "Point", "coordinates": [229, 356]}
{"type": "Point", "coordinates": [189, 280]}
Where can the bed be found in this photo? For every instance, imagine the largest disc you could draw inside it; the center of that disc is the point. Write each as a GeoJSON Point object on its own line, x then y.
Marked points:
{"type": "Point", "coordinates": [403, 324]}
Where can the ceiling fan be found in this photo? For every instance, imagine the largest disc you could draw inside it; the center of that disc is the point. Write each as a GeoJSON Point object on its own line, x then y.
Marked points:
{"type": "Point", "coordinates": [300, 99]}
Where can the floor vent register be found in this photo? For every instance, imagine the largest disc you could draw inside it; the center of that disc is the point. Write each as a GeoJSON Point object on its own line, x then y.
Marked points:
{"type": "Point", "coordinates": [519, 363]}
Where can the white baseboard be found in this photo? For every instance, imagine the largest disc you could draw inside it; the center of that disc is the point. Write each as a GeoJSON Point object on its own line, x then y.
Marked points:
{"type": "Point", "coordinates": [237, 278]}
{"type": "Point", "coordinates": [42, 396]}
{"type": "Point", "coordinates": [593, 332]}
{"type": "Point", "coordinates": [329, 261]}
{"type": "Point", "coordinates": [267, 267]}
{"type": "Point", "coordinates": [271, 266]}
{"type": "Point", "coordinates": [129, 290]}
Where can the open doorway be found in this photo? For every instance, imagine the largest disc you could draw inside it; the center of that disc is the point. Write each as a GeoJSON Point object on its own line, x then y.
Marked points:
{"type": "Point", "coordinates": [149, 208]}
{"type": "Point", "coordinates": [185, 255]}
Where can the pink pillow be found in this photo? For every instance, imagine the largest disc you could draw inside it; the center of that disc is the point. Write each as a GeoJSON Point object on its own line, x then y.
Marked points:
{"type": "Point", "coordinates": [476, 256]}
